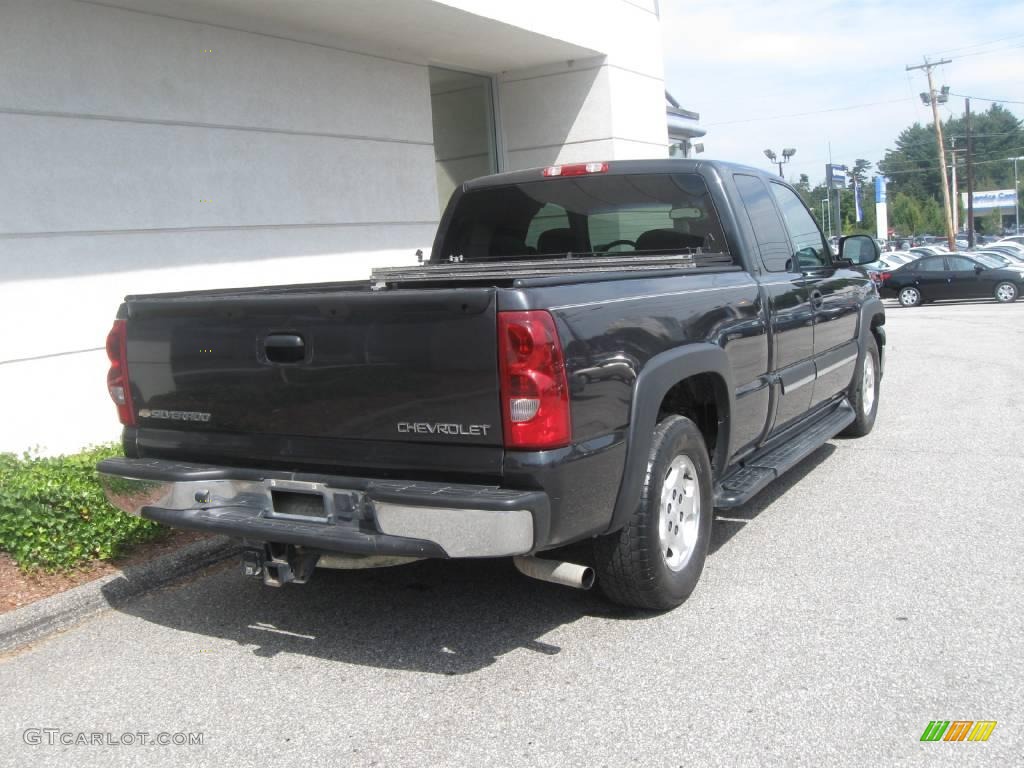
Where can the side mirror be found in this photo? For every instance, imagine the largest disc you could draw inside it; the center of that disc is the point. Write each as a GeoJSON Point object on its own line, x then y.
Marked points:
{"type": "Point", "coordinates": [859, 249]}
{"type": "Point", "coordinates": [978, 269]}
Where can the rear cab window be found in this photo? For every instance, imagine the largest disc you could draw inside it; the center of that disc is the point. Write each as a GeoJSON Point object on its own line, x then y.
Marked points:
{"type": "Point", "coordinates": [594, 215]}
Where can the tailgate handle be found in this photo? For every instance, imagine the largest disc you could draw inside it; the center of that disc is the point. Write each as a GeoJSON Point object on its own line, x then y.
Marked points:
{"type": "Point", "coordinates": [285, 348]}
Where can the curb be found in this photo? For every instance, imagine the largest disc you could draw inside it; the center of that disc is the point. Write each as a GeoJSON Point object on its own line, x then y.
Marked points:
{"type": "Point", "coordinates": [63, 610]}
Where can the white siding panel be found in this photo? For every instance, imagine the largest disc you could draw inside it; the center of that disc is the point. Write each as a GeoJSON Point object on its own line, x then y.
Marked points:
{"type": "Point", "coordinates": [70, 287]}
{"type": "Point", "coordinates": [555, 109]}
{"type": "Point", "coordinates": [71, 57]}
{"type": "Point", "coordinates": [86, 175]}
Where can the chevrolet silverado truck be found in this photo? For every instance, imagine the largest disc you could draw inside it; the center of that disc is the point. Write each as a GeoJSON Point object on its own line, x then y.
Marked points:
{"type": "Point", "coordinates": [598, 354]}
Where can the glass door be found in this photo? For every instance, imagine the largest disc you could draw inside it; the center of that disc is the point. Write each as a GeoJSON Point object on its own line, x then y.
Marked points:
{"type": "Point", "coordinates": [462, 106]}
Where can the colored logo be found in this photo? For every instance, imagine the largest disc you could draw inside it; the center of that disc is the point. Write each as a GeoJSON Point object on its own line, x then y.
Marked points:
{"type": "Point", "coordinates": [958, 730]}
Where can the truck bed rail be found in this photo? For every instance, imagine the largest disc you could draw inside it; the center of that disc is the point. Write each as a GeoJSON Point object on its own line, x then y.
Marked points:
{"type": "Point", "coordinates": [472, 271]}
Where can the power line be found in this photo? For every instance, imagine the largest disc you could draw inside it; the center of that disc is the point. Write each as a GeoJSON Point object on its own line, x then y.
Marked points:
{"type": "Point", "coordinates": [805, 114]}
{"type": "Point", "coordinates": [933, 169]}
{"type": "Point", "coordinates": [898, 163]}
{"type": "Point", "coordinates": [982, 98]}
{"type": "Point", "coordinates": [979, 45]}
{"type": "Point", "coordinates": [987, 53]}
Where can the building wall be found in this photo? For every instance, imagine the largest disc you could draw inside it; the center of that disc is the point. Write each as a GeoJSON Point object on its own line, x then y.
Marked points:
{"type": "Point", "coordinates": [142, 162]}
{"type": "Point", "coordinates": [609, 107]}
{"type": "Point", "coordinates": [144, 153]}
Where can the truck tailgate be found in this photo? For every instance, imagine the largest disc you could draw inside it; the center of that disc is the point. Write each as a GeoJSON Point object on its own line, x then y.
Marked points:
{"type": "Point", "coordinates": [315, 362]}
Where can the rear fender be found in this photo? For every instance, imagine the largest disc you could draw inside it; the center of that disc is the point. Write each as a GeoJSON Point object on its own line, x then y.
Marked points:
{"type": "Point", "coordinates": [872, 319]}
{"type": "Point", "coordinates": [656, 378]}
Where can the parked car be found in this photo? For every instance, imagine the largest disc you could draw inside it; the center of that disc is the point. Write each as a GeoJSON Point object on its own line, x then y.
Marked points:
{"type": "Point", "coordinates": [1010, 245]}
{"type": "Point", "coordinates": [1018, 239]}
{"type": "Point", "coordinates": [953, 276]}
{"type": "Point", "coordinates": [1004, 257]}
{"type": "Point", "coordinates": [928, 250]}
{"type": "Point", "coordinates": [887, 262]}
{"type": "Point", "coordinates": [530, 386]}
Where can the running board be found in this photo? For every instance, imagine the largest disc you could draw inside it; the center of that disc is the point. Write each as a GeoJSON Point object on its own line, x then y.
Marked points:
{"type": "Point", "coordinates": [744, 483]}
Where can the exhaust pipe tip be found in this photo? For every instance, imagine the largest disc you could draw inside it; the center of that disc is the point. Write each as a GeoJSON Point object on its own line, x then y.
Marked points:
{"type": "Point", "coordinates": [556, 572]}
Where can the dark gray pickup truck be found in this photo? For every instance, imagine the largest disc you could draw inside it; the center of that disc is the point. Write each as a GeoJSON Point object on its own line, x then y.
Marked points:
{"type": "Point", "coordinates": [600, 352]}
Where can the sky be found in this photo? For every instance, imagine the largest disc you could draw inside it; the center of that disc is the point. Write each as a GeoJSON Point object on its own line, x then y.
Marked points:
{"type": "Point", "coordinates": [754, 70]}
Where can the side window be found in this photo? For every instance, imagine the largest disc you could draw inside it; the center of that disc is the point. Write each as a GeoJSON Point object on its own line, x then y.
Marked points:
{"type": "Point", "coordinates": [809, 246]}
{"type": "Point", "coordinates": [960, 264]}
{"type": "Point", "coordinates": [549, 217]}
{"type": "Point", "coordinates": [771, 237]}
{"type": "Point", "coordinates": [932, 264]}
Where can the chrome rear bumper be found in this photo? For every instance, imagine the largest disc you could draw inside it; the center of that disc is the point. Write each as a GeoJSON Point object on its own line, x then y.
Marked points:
{"type": "Point", "coordinates": [328, 513]}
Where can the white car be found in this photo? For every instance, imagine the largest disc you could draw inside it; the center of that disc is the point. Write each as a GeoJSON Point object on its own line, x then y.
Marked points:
{"type": "Point", "coordinates": [1008, 262]}
{"type": "Point", "coordinates": [928, 250]}
{"type": "Point", "coordinates": [1010, 242]}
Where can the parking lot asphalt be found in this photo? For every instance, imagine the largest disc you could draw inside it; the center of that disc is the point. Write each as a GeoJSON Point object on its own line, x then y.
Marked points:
{"type": "Point", "coordinates": [876, 587]}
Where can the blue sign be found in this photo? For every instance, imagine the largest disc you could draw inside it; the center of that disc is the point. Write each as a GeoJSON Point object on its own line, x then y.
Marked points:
{"type": "Point", "coordinates": [880, 192]}
{"type": "Point", "coordinates": [835, 176]}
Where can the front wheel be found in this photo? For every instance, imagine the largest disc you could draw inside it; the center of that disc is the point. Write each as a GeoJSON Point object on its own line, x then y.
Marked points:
{"type": "Point", "coordinates": [1006, 292]}
{"type": "Point", "coordinates": [910, 297]}
{"type": "Point", "coordinates": [655, 561]}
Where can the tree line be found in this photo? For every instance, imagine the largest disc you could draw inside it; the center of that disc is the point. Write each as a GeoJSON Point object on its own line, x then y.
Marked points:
{"type": "Point", "coordinates": [915, 183]}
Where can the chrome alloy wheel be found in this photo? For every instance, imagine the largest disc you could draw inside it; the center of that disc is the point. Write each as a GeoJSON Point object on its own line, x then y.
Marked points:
{"type": "Point", "coordinates": [867, 385]}
{"type": "Point", "coordinates": [1006, 292]}
{"type": "Point", "coordinates": [679, 521]}
{"type": "Point", "coordinates": [909, 297]}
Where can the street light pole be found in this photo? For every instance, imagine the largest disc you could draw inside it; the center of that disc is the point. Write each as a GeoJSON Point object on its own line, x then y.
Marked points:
{"type": "Point", "coordinates": [787, 154]}
{"type": "Point", "coordinates": [1016, 195]}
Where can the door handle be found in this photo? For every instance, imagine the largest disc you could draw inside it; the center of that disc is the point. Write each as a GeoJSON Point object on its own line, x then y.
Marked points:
{"type": "Point", "coordinates": [817, 299]}
{"type": "Point", "coordinates": [284, 348]}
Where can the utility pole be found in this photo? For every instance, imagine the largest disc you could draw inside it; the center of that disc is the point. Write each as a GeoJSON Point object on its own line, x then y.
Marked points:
{"type": "Point", "coordinates": [933, 98]}
{"type": "Point", "coordinates": [970, 176]}
{"type": "Point", "coordinates": [955, 192]}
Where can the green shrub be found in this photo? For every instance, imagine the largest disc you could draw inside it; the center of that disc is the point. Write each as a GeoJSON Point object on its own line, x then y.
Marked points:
{"type": "Point", "coordinates": [53, 513]}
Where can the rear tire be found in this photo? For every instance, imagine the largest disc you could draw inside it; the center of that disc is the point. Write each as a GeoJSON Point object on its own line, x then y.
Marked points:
{"type": "Point", "coordinates": [1005, 292]}
{"type": "Point", "coordinates": [655, 561]}
{"type": "Point", "coordinates": [864, 391]}
{"type": "Point", "coordinates": [909, 297]}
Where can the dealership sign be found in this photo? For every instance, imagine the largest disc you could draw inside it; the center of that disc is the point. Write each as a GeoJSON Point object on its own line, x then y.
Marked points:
{"type": "Point", "coordinates": [836, 176]}
{"type": "Point", "coordinates": [997, 198]}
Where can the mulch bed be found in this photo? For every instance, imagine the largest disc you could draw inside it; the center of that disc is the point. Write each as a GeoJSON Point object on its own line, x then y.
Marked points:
{"type": "Point", "coordinates": [19, 588]}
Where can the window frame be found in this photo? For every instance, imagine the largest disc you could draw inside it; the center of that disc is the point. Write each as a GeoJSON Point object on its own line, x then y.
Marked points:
{"type": "Point", "coordinates": [826, 248]}
{"type": "Point", "coordinates": [793, 270]}
{"type": "Point", "coordinates": [933, 257]}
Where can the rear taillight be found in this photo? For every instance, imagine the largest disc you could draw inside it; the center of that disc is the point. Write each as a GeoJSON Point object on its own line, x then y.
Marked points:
{"type": "Point", "coordinates": [117, 377]}
{"type": "Point", "coordinates": [884, 276]}
{"type": "Point", "coordinates": [576, 169]}
{"type": "Point", "coordinates": [534, 391]}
